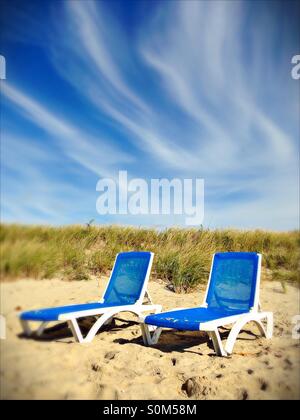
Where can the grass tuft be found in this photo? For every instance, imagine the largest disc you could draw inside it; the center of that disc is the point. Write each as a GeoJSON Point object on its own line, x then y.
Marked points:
{"type": "Point", "coordinates": [182, 257]}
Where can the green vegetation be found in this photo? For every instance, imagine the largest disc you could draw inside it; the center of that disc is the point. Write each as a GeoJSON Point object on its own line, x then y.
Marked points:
{"type": "Point", "coordinates": [182, 257]}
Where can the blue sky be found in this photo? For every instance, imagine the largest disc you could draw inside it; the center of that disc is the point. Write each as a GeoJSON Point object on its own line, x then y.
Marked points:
{"type": "Point", "coordinates": [176, 89]}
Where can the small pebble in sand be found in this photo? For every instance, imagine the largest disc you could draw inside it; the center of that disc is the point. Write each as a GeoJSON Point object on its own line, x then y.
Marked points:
{"type": "Point", "coordinates": [250, 371]}
{"type": "Point", "coordinates": [188, 387]}
{"type": "Point", "coordinates": [110, 355]}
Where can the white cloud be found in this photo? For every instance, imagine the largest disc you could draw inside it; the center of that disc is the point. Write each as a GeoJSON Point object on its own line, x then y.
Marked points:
{"type": "Point", "coordinates": [95, 154]}
{"type": "Point", "coordinates": [197, 94]}
{"type": "Point", "coordinates": [92, 66]}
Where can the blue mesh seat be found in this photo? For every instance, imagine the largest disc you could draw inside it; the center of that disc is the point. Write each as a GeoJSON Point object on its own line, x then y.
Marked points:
{"type": "Point", "coordinates": [233, 281]}
{"type": "Point", "coordinates": [187, 319]}
{"type": "Point", "coordinates": [53, 314]}
{"type": "Point", "coordinates": [127, 279]}
{"type": "Point", "coordinates": [126, 290]}
{"type": "Point", "coordinates": [232, 295]}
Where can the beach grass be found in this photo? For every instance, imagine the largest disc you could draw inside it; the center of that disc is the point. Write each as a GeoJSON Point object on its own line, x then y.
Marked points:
{"type": "Point", "coordinates": [182, 256]}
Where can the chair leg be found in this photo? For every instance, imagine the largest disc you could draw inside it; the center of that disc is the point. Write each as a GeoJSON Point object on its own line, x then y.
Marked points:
{"type": "Point", "coordinates": [28, 331]}
{"type": "Point", "coordinates": [217, 342]}
{"type": "Point", "coordinates": [97, 325]}
{"type": "Point", "coordinates": [41, 329]}
{"type": "Point", "coordinates": [256, 318]}
{"type": "Point", "coordinates": [145, 334]}
{"type": "Point", "coordinates": [148, 338]}
{"type": "Point", "coordinates": [270, 323]}
{"type": "Point", "coordinates": [268, 331]}
{"type": "Point", "coordinates": [73, 324]}
{"type": "Point", "coordinates": [108, 322]}
{"type": "Point", "coordinates": [26, 327]}
{"type": "Point", "coordinates": [104, 319]}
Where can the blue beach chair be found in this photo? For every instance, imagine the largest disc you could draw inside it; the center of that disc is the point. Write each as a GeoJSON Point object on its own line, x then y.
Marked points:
{"type": "Point", "coordinates": [232, 297]}
{"type": "Point", "coordinates": [126, 291]}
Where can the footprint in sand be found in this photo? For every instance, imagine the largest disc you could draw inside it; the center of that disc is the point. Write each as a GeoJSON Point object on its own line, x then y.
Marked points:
{"type": "Point", "coordinates": [263, 384]}
{"type": "Point", "coordinates": [198, 387]}
{"type": "Point", "coordinates": [288, 365]}
{"type": "Point", "coordinates": [174, 361]}
{"type": "Point", "coordinates": [243, 395]}
{"type": "Point", "coordinates": [96, 367]}
{"type": "Point", "coordinates": [107, 392]}
{"type": "Point", "coordinates": [156, 372]}
{"type": "Point", "coordinates": [288, 362]}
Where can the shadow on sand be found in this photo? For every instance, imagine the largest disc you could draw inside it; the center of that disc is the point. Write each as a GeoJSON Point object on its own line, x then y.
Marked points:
{"type": "Point", "coordinates": [61, 331]}
{"type": "Point", "coordinates": [182, 341]}
{"type": "Point", "coordinates": [170, 340]}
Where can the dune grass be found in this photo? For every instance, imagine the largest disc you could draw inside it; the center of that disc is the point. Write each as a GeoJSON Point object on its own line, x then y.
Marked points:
{"type": "Point", "coordinates": [182, 257]}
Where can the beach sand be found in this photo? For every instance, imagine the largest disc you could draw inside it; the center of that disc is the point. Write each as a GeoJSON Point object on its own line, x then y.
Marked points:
{"type": "Point", "coordinates": [116, 365]}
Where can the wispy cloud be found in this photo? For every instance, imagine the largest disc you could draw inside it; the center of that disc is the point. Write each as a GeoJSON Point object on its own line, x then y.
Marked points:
{"type": "Point", "coordinates": [199, 60]}
{"type": "Point", "coordinates": [95, 154]}
{"type": "Point", "coordinates": [192, 89]}
{"type": "Point", "coordinates": [101, 65]}
{"type": "Point", "coordinates": [27, 174]}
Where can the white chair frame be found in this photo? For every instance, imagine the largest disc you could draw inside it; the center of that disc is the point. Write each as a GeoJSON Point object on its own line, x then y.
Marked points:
{"type": "Point", "coordinates": [105, 314]}
{"type": "Point", "coordinates": [151, 333]}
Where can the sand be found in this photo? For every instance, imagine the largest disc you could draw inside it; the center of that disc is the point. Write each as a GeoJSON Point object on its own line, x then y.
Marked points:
{"type": "Point", "coordinates": [116, 365]}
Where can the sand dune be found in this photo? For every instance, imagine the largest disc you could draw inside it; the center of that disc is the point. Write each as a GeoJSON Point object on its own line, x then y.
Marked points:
{"type": "Point", "coordinates": [117, 366]}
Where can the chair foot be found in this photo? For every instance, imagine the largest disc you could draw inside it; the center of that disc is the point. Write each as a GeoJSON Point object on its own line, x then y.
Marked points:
{"type": "Point", "coordinates": [217, 343]}
{"type": "Point", "coordinates": [74, 327]}
{"type": "Point", "coordinates": [257, 319]}
{"type": "Point", "coordinates": [41, 329]}
{"type": "Point", "coordinates": [148, 338]}
{"type": "Point", "coordinates": [26, 328]}
{"type": "Point", "coordinates": [270, 324]}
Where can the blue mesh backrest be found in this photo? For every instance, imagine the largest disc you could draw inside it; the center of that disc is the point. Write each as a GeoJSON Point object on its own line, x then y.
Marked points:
{"type": "Point", "coordinates": [128, 278]}
{"type": "Point", "coordinates": [233, 281]}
